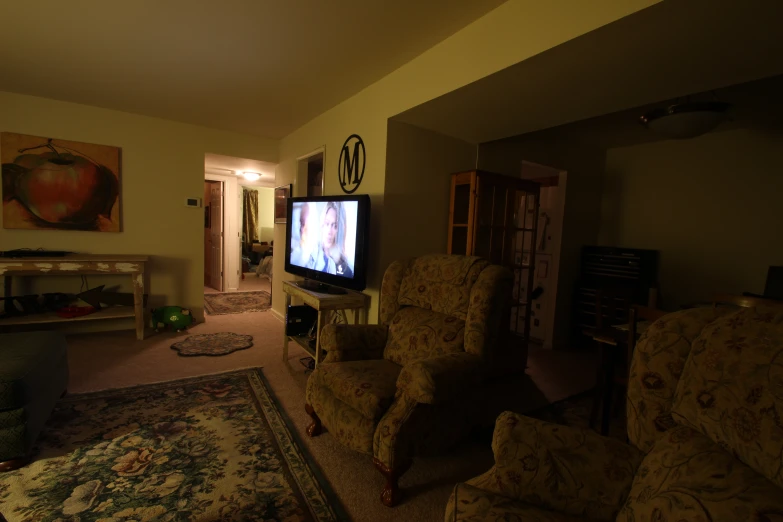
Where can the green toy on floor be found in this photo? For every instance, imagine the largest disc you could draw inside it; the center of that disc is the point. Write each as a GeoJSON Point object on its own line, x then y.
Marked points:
{"type": "Point", "coordinates": [175, 316]}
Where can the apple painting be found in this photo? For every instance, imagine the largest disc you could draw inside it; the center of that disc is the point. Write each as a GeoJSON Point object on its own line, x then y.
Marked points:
{"type": "Point", "coordinates": [56, 184]}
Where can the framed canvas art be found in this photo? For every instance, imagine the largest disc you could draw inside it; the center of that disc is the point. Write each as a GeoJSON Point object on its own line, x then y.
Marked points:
{"type": "Point", "coordinates": [53, 184]}
{"type": "Point", "coordinates": [281, 202]}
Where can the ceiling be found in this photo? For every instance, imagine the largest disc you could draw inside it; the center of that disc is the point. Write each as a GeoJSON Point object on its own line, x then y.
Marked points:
{"type": "Point", "coordinates": [756, 105]}
{"type": "Point", "coordinates": [263, 67]}
{"type": "Point", "coordinates": [228, 166]}
{"type": "Point", "coordinates": [671, 49]}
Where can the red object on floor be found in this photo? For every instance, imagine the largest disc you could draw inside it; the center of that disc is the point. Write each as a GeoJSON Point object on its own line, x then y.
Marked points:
{"type": "Point", "coordinates": [75, 311]}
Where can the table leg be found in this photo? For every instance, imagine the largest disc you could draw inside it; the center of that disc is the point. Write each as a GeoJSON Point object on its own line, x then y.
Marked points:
{"type": "Point", "coordinates": [318, 337]}
{"type": "Point", "coordinates": [9, 306]}
{"type": "Point", "coordinates": [606, 414]}
{"type": "Point", "coordinates": [138, 304]}
{"type": "Point", "coordinates": [598, 391]}
{"type": "Point", "coordinates": [356, 316]}
{"type": "Point", "coordinates": [285, 326]}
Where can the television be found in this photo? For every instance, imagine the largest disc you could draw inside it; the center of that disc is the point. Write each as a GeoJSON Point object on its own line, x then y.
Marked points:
{"type": "Point", "coordinates": [327, 240]}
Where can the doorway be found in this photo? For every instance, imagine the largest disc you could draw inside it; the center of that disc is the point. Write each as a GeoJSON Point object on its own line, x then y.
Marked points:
{"type": "Point", "coordinates": [256, 237]}
{"type": "Point", "coordinates": [310, 173]}
{"type": "Point", "coordinates": [238, 234]}
{"type": "Point", "coordinates": [547, 257]}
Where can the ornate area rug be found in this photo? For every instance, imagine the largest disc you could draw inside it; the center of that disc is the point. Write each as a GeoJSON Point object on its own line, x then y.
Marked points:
{"type": "Point", "coordinates": [207, 448]}
{"type": "Point", "coordinates": [237, 302]}
{"type": "Point", "coordinates": [213, 344]}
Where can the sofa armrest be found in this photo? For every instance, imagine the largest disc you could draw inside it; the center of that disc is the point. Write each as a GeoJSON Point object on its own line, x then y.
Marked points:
{"type": "Point", "coordinates": [344, 342]}
{"type": "Point", "coordinates": [439, 379]}
{"type": "Point", "coordinates": [570, 470]}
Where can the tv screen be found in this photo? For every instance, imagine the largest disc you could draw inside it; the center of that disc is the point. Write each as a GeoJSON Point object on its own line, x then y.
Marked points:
{"type": "Point", "coordinates": [327, 239]}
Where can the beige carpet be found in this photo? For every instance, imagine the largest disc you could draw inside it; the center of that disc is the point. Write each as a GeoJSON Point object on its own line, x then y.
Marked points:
{"type": "Point", "coordinates": [111, 360]}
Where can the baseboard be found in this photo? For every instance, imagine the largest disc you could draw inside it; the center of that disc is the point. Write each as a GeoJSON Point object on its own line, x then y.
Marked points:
{"type": "Point", "coordinates": [277, 315]}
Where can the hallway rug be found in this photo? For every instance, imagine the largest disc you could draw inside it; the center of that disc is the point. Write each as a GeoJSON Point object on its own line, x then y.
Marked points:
{"type": "Point", "coordinates": [215, 447]}
{"type": "Point", "coordinates": [213, 344]}
{"type": "Point", "coordinates": [237, 302]}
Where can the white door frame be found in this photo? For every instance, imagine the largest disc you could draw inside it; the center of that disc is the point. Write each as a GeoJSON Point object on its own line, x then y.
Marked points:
{"type": "Point", "coordinates": [231, 230]}
{"type": "Point", "coordinates": [557, 232]}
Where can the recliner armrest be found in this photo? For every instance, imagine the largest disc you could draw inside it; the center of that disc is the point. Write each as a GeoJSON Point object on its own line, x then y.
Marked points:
{"type": "Point", "coordinates": [565, 469]}
{"type": "Point", "coordinates": [439, 379]}
{"type": "Point", "coordinates": [344, 342]}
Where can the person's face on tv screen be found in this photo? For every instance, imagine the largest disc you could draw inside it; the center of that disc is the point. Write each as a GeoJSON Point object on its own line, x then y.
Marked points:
{"type": "Point", "coordinates": [330, 228]}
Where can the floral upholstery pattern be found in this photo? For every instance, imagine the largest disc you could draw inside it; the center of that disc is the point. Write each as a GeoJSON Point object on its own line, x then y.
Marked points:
{"type": "Point", "coordinates": [570, 470]}
{"type": "Point", "coordinates": [439, 379]}
{"type": "Point", "coordinates": [659, 358]}
{"type": "Point", "coordinates": [389, 444]}
{"type": "Point", "coordinates": [422, 392]}
{"type": "Point", "coordinates": [366, 386]}
{"type": "Point", "coordinates": [353, 343]}
{"type": "Point", "coordinates": [441, 283]}
{"type": "Point", "coordinates": [390, 291]}
{"type": "Point", "coordinates": [412, 428]}
{"type": "Point", "coordinates": [732, 388]}
{"type": "Point", "coordinates": [416, 334]}
{"type": "Point", "coordinates": [350, 427]}
{"type": "Point", "coordinates": [704, 398]}
{"type": "Point", "coordinates": [471, 504]}
{"type": "Point", "coordinates": [687, 476]}
{"type": "Point", "coordinates": [489, 301]}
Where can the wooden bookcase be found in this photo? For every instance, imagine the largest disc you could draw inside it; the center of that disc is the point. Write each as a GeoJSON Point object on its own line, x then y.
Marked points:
{"type": "Point", "coordinates": [496, 217]}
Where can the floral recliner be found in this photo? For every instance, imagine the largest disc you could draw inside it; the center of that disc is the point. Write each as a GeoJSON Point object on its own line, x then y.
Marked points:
{"type": "Point", "coordinates": [704, 421]}
{"type": "Point", "coordinates": [412, 384]}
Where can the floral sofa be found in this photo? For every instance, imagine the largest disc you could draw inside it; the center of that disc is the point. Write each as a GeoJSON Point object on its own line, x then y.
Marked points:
{"type": "Point", "coordinates": [414, 384]}
{"type": "Point", "coordinates": [704, 408]}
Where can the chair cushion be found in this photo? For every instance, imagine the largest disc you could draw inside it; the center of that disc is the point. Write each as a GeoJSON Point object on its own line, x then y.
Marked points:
{"type": "Point", "coordinates": [731, 388]}
{"type": "Point", "coordinates": [344, 423]}
{"type": "Point", "coordinates": [471, 504]}
{"type": "Point", "coordinates": [441, 283]}
{"type": "Point", "coordinates": [416, 333]}
{"type": "Point", "coordinates": [567, 469]}
{"type": "Point", "coordinates": [27, 363]}
{"type": "Point", "coordinates": [658, 362]}
{"type": "Point", "coordinates": [686, 476]}
{"type": "Point", "coordinates": [366, 386]}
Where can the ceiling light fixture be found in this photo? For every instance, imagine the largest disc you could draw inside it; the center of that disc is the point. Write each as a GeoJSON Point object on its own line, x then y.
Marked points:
{"type": "Point", "coordinates": [685, 120]}
{"type": "Point", "coordinates": [251, 176]}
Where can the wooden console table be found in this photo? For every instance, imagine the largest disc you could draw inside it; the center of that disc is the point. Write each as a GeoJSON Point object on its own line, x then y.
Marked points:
{"type": "Point", "coordinates": [325, 304]}
{"type": "Point", "coordinates": [79, 264]}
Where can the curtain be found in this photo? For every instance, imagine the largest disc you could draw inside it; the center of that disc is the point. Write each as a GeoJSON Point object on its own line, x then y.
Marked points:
{"type": "Point", "coordinates": [250, 218]}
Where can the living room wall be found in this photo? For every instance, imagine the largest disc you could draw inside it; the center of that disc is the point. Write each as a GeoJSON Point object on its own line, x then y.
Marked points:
{"type": "Point", "coordinates": [419, 165]}
{"type": "Point", "coordinates": [511, 33]}
{"type": "Point", "coordinates": [710, 205]}
{"type": "Point", "coordinates": [162, 164]}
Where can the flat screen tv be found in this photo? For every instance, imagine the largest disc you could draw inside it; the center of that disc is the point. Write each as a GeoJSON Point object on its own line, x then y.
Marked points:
{"type": "Point", "coordinates": [327, 239]}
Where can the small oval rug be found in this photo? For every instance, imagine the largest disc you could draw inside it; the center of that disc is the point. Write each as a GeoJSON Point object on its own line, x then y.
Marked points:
{"type": "Point", "coordinates": [213, 344]}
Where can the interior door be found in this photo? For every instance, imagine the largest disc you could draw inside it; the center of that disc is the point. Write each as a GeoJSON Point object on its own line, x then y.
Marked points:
{"type": "Point", "coordinates": [216, 233]}
{"type": "Point", "coordinates": [207, 234]}
{"type": "Point", "coordinates": [523, 201]}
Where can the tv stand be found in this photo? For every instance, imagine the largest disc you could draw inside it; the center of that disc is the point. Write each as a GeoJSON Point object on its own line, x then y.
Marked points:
{"type": "Point", "coordinates": [321, 288]}
{"type": "Point", "coordinates": [326, 304]}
